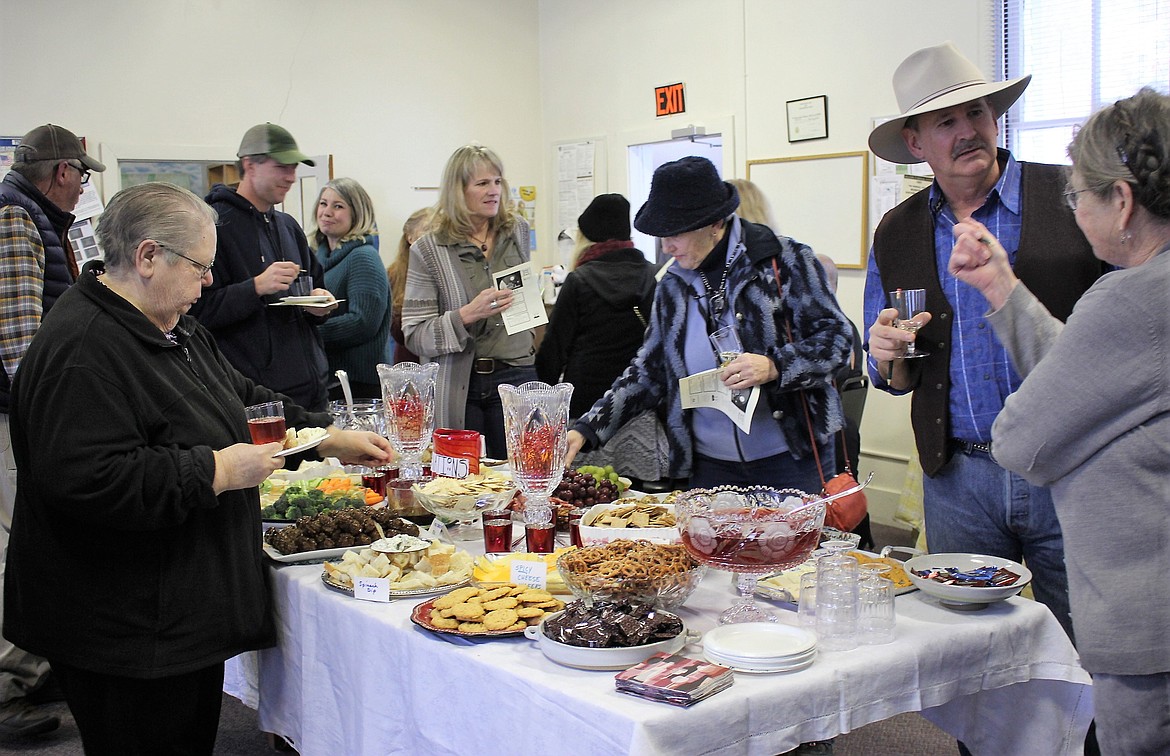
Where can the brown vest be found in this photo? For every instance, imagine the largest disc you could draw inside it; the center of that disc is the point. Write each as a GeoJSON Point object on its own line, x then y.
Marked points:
{"type": "Point", "coordinates": [1054, 261]}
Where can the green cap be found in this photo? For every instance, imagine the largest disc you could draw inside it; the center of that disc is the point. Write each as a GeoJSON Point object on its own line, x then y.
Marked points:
{"type": "Point", "coordinates": [273, 141]}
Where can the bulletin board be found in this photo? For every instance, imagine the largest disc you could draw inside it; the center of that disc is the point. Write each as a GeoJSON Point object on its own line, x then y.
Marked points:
{"type": "Point", "coordinates": [821, 201]}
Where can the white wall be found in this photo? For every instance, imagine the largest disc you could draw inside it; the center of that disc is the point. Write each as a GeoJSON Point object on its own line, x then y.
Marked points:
{"type": "Point", "coordinates": [741, 60]}
{"type": "Point", "coordinates": [392, 87]}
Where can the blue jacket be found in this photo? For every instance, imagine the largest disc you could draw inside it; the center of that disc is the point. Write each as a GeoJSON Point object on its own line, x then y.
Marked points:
{"type": "Point", "coordinates": [822, 334]}
{"type": "Point", "coordinates": [357, 336]}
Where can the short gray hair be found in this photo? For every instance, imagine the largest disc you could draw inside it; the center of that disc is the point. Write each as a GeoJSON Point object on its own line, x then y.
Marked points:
{"type": "Point", "coordinates": [168, 214]}
{"type": "Point", "coordinates": [37, 171]}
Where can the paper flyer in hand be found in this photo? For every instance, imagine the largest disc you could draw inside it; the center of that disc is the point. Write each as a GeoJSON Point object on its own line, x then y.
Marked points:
{"type": "Point", "coordinates": [527, 310]}
{"type": "Point", "coordinates": [705, 389]}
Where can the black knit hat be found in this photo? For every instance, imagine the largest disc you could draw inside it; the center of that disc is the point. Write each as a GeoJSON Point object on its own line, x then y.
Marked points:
{"type": "Point", "coordinates": [606, 219]}
{"type": "Point", "coordinates": [685, 195]}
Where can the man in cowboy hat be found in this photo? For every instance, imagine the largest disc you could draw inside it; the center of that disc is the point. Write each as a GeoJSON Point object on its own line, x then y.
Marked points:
{"type": "Point", "coordinates": [949, 120]}
{"type": "Point", "coordinates": [49, 172]}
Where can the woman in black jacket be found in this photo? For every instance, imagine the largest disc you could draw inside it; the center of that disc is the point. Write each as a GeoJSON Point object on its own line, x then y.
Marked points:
{"type": "Point", "coordinates": [602, 310]}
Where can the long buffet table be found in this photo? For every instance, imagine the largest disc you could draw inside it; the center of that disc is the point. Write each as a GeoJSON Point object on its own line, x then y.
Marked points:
{"type": "Point", "coordinates": [353, 677]}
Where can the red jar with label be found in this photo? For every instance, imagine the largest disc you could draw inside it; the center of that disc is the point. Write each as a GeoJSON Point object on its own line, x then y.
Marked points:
{"type": "Point", "coordinates": [456, 453]}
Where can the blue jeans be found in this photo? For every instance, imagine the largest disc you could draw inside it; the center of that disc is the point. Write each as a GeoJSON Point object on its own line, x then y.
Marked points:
{"type": "Point", "coordinates": [485, 411]}
{"type": "Point", "coordinates": [778, 471]}
{"type": "Point", "coordinates": [974, 505]}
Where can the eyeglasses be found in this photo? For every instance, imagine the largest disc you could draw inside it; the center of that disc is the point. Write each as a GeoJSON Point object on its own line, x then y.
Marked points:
{"type": "Point", "coordinates": [203, 269]}
{"type": "Point", "coordinates": [84, 173]}
{"type": "Point", "coordinates": [1070, 198]}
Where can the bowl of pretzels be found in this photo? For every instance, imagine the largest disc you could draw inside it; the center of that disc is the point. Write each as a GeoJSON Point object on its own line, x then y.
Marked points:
{"type": "Point", "coordinates": [631, 571]}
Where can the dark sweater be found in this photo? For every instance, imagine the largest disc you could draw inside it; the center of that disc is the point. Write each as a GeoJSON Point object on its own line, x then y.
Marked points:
{"type": "Point", "coordinates": [122, 560]}
{"type": "Point", "coordinates": [357, 336]}
{"type": "Point", "coordinates": [1054, 260]}
{"type": "Point", "coordinates": [594, 331]}
{"type": "Point", "coordinates": [278, 347]}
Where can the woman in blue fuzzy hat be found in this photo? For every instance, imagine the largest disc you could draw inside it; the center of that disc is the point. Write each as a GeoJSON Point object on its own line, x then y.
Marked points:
{"type": "Point", "coordinates": [729, 272]}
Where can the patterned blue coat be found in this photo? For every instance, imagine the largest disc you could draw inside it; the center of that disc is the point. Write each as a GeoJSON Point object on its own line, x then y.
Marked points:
{"type": "Point", "coordinates": [822, 342]}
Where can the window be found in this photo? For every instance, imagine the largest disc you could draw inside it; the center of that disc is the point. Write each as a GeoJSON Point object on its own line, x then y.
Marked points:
{"type": "Point", "coordinates": [1082, 54]}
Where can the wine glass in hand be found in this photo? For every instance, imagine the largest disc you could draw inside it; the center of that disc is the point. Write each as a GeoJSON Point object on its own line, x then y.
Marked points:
{"type": "Point", "coordinates": [908, 303]}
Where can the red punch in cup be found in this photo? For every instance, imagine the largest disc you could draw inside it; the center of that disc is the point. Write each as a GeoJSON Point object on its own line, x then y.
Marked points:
{"type": "Point", "coordinates": [456, 453]}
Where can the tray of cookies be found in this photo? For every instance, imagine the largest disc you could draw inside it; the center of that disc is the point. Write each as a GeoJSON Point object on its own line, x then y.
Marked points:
{"type": "Point", "coordinates": [487, 611]}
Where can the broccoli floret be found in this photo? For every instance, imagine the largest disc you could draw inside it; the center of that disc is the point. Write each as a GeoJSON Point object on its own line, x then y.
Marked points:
{"type": "Point", "coordinates": [293, 513]}
{"type": "Point", "coordinates": [268, 512]}
{"type": "Point", "coordinates": [350, 502]}
{"type": "Point", "coordinates": [281, 505]}
{"type": "Point", "coordinates": [318, 495]}
{"type": "Point", "coordinates": [302, 502]}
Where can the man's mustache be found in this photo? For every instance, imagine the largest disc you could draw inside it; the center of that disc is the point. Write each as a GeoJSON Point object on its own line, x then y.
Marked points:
{"type": "Point", "coordinates": [967, 145]}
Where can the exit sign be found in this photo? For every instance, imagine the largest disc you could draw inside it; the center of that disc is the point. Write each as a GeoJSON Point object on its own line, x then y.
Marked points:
{"type": "Point", "coordinates": [669, 100]}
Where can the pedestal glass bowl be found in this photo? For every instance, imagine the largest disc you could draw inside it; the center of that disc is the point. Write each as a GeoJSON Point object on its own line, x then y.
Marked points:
{"type": "Point", "coordinates": [750, 531]}
{"type": "Point", "coordinates": [408, 395]}
{"type": "Point", "coordinates": [536, 417]}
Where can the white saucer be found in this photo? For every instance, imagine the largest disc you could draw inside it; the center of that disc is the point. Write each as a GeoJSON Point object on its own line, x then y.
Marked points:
{"type": "Point", "coordinates": [302, 447]}
{"type": "Point", "coordinates": [317, 301]}
{"type": "Point", "coordinates": [766, 642]}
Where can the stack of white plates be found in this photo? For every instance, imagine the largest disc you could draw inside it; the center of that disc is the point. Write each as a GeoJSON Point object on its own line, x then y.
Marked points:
{"type": "Point", "coordinates": [760, 647]}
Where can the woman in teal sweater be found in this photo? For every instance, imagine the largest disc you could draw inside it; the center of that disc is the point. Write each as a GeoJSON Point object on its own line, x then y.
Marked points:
{"type": "Point", "coordinates": [357, 337]}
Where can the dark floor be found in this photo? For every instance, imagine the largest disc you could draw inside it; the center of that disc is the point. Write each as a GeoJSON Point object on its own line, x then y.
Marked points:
{"type": "Point", "coordinates": [239, 735]}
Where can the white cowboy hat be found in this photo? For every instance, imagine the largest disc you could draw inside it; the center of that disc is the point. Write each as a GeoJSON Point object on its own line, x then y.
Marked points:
{"type": "Point", "coordinates": [936, 78]}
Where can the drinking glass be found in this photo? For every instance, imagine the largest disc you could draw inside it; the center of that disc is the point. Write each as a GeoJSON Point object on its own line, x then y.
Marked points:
{"type": "Point", "coordinates": [837, 598]}
{"type": "Point", "coordinates": [408, 396]}
{"type": "Point", "coordinates": [806, 607]}
{"type": "Point", "coordinates": [497, 535]}
{"type": "Point", "coordinates": [876, 617]}
{"type": "Point", "coordinates": [908, 303]}
{"type": "Point", "coordinates": [727, 344]}
{"type": "Point", "coordinates": [265, 422]}
{"type": "Point", "coordinates": [301, 286]}
{"type": "Point", "coordinates": [536, 417]}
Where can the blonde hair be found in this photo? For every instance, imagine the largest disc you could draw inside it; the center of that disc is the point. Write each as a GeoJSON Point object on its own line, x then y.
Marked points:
{"type": "Point", "coordinates": [452, 217]}
{"type": "Point", "coordinates": [753, 205]}
{"type": "Point", "coordinates": [361, 207]}
{"type": "Point", "coordinates": [415, 226]}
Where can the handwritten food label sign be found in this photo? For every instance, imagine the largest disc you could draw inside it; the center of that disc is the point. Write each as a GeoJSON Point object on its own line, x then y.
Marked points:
{"type": "Point", "coordinates": [372, 589]}
{"type": "Point", "coordinates": [531, 574]}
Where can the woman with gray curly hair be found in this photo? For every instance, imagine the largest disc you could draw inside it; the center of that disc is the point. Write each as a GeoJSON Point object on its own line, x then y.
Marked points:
{"type": "Point", "coordinates": [1092, 418]}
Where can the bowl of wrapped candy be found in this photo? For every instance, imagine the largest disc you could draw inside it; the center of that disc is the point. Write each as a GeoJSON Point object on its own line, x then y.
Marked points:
{"type": "Point", "coordinates": [967, 581]}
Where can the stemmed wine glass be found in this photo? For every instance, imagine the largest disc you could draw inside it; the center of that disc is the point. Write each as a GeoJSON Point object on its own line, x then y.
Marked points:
{"type": "Point", "coordinates": [908, 303]}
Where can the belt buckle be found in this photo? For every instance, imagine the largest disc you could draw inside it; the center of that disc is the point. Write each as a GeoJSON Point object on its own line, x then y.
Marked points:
{"type": "Point", "coordinates": [485, 365]}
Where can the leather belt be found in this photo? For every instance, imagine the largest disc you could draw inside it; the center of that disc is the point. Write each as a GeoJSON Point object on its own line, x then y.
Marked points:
{"type": "Point", "coordinates": [968, 447]}
{"type": "Point", "coordinates": [484, 365]}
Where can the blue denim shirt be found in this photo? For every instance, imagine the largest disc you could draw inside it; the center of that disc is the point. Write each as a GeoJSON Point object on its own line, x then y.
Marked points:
{"type": "Point", "coordinates": [981, 372]}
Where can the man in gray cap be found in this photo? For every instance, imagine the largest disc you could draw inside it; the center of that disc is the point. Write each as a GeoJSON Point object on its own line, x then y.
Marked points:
{"type": "Point", "coordinates": [949, 120]}
{"type": "Point", "coordinates": [260, 252]}
{"type": "Point", "coordinates": [50, 169]}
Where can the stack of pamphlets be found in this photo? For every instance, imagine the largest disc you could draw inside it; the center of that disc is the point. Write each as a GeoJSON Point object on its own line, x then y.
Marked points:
{"type": "Point", "coordinates": [674, 679]}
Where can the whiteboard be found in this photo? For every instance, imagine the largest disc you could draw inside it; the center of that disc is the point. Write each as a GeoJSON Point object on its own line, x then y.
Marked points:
{"type": "Point", "coordinates": [821, 201]}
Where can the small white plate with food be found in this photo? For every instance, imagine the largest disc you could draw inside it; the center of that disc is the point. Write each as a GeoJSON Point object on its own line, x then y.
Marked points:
{"type": "Point", "coordinates": [296, 441]}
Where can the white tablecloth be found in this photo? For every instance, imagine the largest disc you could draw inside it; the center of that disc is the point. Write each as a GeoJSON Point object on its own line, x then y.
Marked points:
{"type": "Point", "coordinates": [357, 678]}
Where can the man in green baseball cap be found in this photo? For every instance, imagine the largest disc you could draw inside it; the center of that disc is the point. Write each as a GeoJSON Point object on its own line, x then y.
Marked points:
{"type": "Point", "coordinates": [260, 253]}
